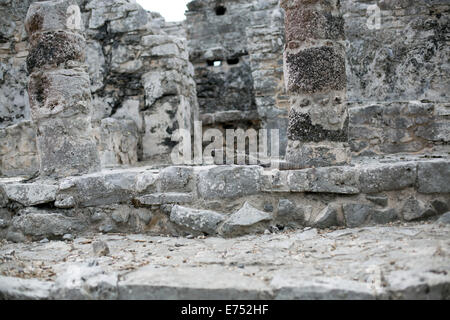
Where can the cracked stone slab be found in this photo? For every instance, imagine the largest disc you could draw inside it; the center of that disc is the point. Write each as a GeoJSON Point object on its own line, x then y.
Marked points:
{"type": "Point", "coordinates": [402, 261]}
{"type": "Point", "coordinates": [30, 194]}
{"type": "Point", "coordinates": [176, 284]}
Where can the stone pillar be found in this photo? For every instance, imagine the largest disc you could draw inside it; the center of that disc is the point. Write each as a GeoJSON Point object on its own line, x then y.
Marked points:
{"type": "Point", "coordinates": [314, 63]}
{"type": "Point", "coordinates": [59, 89]}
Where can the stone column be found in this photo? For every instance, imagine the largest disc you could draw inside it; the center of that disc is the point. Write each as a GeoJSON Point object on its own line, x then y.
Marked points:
{"type": "Point", "coordinates": [59, 89]}
{"type": "Point", "coordinates": [314, 63]}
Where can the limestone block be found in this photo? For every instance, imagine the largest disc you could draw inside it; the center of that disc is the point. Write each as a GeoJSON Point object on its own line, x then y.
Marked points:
{"type": "Point", "coordinates": [41, 224]}
{"type": "Point", "coordinates": [198, 220]}
{"type": "Point", "coordinates": [326, 218]}
{"type": "Point", "coordinates": [63, 93]}
{"type": "Point", "coordinates": [18, 150]}
{"type": "Point", "coordinates": [386, 177]}
{"type": "Point", "coordinates": [228, 181]}
{"type": "Point", "coordinates": [245, 219]}
{"type": "Point", "coordinates": [53, 16]}
{"type": "Point", "coordinates": [414, 209]}
{"type": "Point", "coordinates": [117, 142]}
{"type": "Point", "coordinates": [30, 194]}
{"type": "Point", "coordinates": [434, 177]}
{"type": "Point", "coordinates": [67, 147]}
{"type": "Point", "coordinates": [357, 214]}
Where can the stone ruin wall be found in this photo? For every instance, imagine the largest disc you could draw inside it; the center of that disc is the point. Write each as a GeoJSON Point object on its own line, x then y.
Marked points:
{"type": "Point", "coordinates": [397, 77]}
{"type": "Point", "coordinates": [231, 200]}
{"type": "Point", "coordinates": [397, 88]}
{"type": "Point", "coordinates": [141, 83]}
{"type": "Point", "coordinates": [247, 89]}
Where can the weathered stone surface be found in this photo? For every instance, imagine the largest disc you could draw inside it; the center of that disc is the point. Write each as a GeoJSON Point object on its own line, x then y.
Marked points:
{"type": "Point", "coordinates": [18, 151]}
{"type": "Point", "coordinates": [293, 287]}
{"type": "Point", "coordinates": [329, 180]}
{"type": "Point", "coordinates": [313, 24]}
{"type": "Point", "coordinates": [215, 283]}
{"type": "Point", "coordinates": [378, 199]}
{"type": "Point", "coordinates": [384, 216]}
{"type": "Point", "coordinates": [288, 211]}
{"type": "Point", "coordinates": [393, 127]}
{"type": "Point", "coordinates": [84, 281]}
{"type": "Point", "coordinates": [40, 224]}
{"type": "Point", "coordinates": [30, 194]}
{"type": "Point", "coordinates": [24, 289]}
{"type": "Point", "coordinates": [326, 218]}
{"type": "Point", "coordinates": [315, 70]}
{"type": "Point", "coordinates": [66, 148]}
{"type": "Point", "coordinates": [444, 219]}
{"type": "Point", "coordinates": [395, 69]}
{"type": "Point", "coordinates": [164, 198]}
{"type": "Point", "coordinates": [414, 209]}
{"type": "Point", "coordinates": [107, 187]}
{"type": "Point", "coordinates": [243, 220]}
{"type": "Point", "coordinates": [357, 214]}
{"type": "Point", "coordinates": [52, 49]}
{"type": "Point", "coordinates": [388, 177]}
{"type": "Point", "coordinates": [302, 129]}
{"type": "Point", "coordinates": [117, 142]}
{"type": "Point", "coordinates": [228, 181]}
{"type": "Point", "coordinates": [198, 220]}
{"type": "Point", "coordinates": [100, 248]}
{"type": "Point", "coordinates": [175, 179]}
{"type": "Point", "coordinates": [3, 198]}
{"type": "Point", "coordinates": [317, 154]}
{"type": "Point", "coordinates": [440, 206]}
{"type": "Point", "coordinates": [60, 99]}
{"type": "Point", "coordinates": [353, 263]}
{"type": "Point", "coordinates": [120, 216]}
{"type": "Point", "coordinates": [53, 16]}
{"type": "Point", "coordinates": [433, 177]}
{"type": "Point", "coordinates": [16, 237]}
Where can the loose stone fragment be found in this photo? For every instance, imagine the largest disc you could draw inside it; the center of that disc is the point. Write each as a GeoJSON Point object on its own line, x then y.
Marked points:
{"type": "Point", "coordinates": [100, 248]}
{"type": "Point", "coordinates": [326, 218]}
{"type": "Point", "coordinates": [199, 220]}
{"type": "Point", "coordinates": [356, 214]}
{"type": "Point", "coordinates": [244, 220]}
{"type": "Point", "coordinates": [414, 209]}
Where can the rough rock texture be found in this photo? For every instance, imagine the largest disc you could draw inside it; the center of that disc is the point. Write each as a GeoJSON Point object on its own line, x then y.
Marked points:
{"type": "Point", "coordinates": [314, 60]}
{"type": "Point", "coordinates": [223, 199]}
{"type": "Point", "coordinates": [397, 262]}
{"type": "Point", "coordinates": [197, 220]}
{"type": "Point", "coordinates": [18, 151]}
{"type": "Point", "coordinates": [238, 64]}
{"type": "Point", "coordinates": [246, 218]}
{"type": "Point", "coordinates": [117, 56]}
{"type": "Point", "coordinates": [117, 142]}
{"type": "Point", "coordinates": [396, 76]}
{"type": "Point", "coordinates": [59, 90]}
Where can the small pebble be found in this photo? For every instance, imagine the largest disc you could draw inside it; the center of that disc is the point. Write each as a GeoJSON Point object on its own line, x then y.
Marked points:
{"type": "Point", "coordinates": [45, 240]}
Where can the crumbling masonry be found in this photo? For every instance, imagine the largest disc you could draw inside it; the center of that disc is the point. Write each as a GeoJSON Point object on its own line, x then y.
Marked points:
{"type": "Point", "coordinates": [93, 92]}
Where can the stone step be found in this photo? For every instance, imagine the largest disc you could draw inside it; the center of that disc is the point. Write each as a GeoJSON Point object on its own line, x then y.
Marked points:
{"type": "Point", "coordinates": [407, 261]}
{"type": "Point", "coordinates": [182, 200]}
